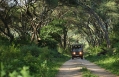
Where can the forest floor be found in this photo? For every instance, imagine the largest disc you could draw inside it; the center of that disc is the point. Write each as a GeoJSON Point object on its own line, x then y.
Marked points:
{"type": "Point", "coordinates": [71, 68]}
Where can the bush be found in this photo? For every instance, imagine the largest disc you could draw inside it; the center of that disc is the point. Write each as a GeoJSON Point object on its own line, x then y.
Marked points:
{"type": "Point", "coordinates": [87, 73]}
{"type": "Point", "coordinates": [32, 49]}
{"type": "Point", "coordinates": [34, 61]}
{"type": "Point", "coordinates": [110, 63]}
{"type": "Point", "coordinates": [24, 72]}
{"type": "Point", "coordinates": [93, 50]}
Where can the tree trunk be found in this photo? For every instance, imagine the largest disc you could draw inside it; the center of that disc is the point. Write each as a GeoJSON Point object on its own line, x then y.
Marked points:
{"type": "Point", "coordinates": [65, 36]}
{"type": "Point", "coordinates": [7, 30]}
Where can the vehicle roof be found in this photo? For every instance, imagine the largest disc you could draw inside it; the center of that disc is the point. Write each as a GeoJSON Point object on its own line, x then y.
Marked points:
{"type": "Point", "coordinates": [76, 44]}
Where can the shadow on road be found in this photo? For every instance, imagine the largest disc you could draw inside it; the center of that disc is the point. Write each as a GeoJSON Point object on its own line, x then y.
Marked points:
{"type": "Point", "coordinates": [71, 68]}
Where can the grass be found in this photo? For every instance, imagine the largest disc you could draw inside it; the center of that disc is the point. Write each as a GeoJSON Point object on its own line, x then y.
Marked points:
{"type": "Point", "coordinates": [87, 73]}
{"type": "Point", "coordinates": [110, 63]}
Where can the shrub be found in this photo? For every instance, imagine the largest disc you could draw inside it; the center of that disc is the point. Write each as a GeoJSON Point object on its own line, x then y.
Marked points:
{"type": "Point", "coordinates": [35, 61]}
{"type": "Point", "coordinates": [87, 73]}
{"type": "Point", "coordinates": [24, 72]}
{"type": "Point", "coordinates": [110, 63]}
{"type": "Point", "coordinates": [93, 50]}
{"type": "Point", "coordinates": [32, 49]}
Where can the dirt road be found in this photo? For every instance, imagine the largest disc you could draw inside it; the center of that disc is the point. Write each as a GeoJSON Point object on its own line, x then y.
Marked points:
{"type": "Point", "coordinates": [72, 68]}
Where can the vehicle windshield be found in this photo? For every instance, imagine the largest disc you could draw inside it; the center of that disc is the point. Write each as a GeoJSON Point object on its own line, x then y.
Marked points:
{"type": "Point", "coordinates": [76, 48]}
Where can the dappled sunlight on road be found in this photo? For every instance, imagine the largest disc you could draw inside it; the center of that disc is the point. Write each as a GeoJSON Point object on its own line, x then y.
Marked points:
{"type": "Point", "coordinates": [72, 68]}
{"type": "Point", "coordinates": [97, 70]}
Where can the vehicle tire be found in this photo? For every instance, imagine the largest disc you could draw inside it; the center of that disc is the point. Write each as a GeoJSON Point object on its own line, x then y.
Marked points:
{"type": "Point", "coordinates": [81, 57]}
{"type": "Point", "coordinates": [72, 57]}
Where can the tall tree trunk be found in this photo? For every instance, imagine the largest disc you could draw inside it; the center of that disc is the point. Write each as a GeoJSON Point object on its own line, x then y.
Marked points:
{"type": "Point", "coordinates": [65, 36]}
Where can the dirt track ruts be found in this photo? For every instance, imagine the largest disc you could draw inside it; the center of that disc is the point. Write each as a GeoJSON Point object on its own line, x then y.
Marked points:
{"type": "Point", "coordinates": [71, 68]}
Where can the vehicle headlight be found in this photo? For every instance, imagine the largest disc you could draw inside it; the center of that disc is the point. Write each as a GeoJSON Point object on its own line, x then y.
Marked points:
{"type": "Point", "coordinates": [74, 53]}
{"type": "Point", "coordinates": [80, 53]}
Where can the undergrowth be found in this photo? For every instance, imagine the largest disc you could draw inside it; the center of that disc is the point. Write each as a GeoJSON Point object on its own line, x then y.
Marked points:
{"type": "Point", "coordinates": [29, 61]}
{"type": "Point", "coordinates": [110, 63]}
{"type": "Point", "coordinates": [87, 73]}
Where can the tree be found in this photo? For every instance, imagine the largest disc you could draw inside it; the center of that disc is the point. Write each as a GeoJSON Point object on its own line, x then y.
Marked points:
{"type": "Point", "coordinates": [14, 16]}
{"type": "Point", "coordinates": [5, 19]}
{"type": "Point", "coordinates": [93, 13]}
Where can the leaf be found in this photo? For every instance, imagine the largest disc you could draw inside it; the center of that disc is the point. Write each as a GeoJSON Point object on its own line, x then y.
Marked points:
{"type": "Point", "coordinates": [52, 3]}
{"type": "Point", "coordinates": [2, 70]}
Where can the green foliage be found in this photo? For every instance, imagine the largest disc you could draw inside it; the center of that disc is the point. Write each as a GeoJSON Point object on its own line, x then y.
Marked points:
{"type": "Point", "coordinates": [84, 69]}
{"type": "Point", "coordinates": [110, 63]}
{"type": "Point", "coordinates": [4, 40]}
{"type": "Point", "coordinates": [52, 3]}
{"type": "Point", "coordinates": [93, 50]}
{"type": "Point", "coordinates": [56, 26]}
{"type": "Point", "coordinates": [32, 49]}
{"type": "Point", "coordinates": [52, 28]}
{"type": "Point", "coordinates": [51, 34]}
{"type": "Point", "coordinates": [45, 53]}
{"type": "Point", "coordinates": [29, 61]}
{"type": "Point", "coordinates": [87, 73]}
{"type": "Point", "coordinates": [2, 72]}
{"type": "Point", "coordinates": [66, 51]}
{"type": "Point", "coordinates": [116, 48]}
{"type": "Point", "coordinates": [50, 43]}
{"type": "Point", "coordinates": [9, 51]}
{"type": "Point", "coordinates": [23, 73]}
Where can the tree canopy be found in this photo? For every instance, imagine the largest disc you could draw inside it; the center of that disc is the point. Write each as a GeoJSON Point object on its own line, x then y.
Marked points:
{"type": "Point", "coordinates": [95, 21]}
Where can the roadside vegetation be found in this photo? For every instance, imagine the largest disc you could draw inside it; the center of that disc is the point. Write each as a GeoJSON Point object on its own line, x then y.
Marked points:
{"type": "Point", "coordinates": [87, 73]}
{"type": "Point", "coordinates": [35, 34]}
{"type": "Point", "coordinates": [29, 61]}
{"type": "Point", "coordinates": [108, 61]}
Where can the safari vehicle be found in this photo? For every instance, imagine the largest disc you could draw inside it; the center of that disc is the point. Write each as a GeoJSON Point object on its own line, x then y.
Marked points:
{"type": "Point", "coordinates": [77, 51]}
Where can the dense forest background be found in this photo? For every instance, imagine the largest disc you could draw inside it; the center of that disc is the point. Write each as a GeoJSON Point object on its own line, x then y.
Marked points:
{"type": "Point", "coordinates": [35, 34]}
